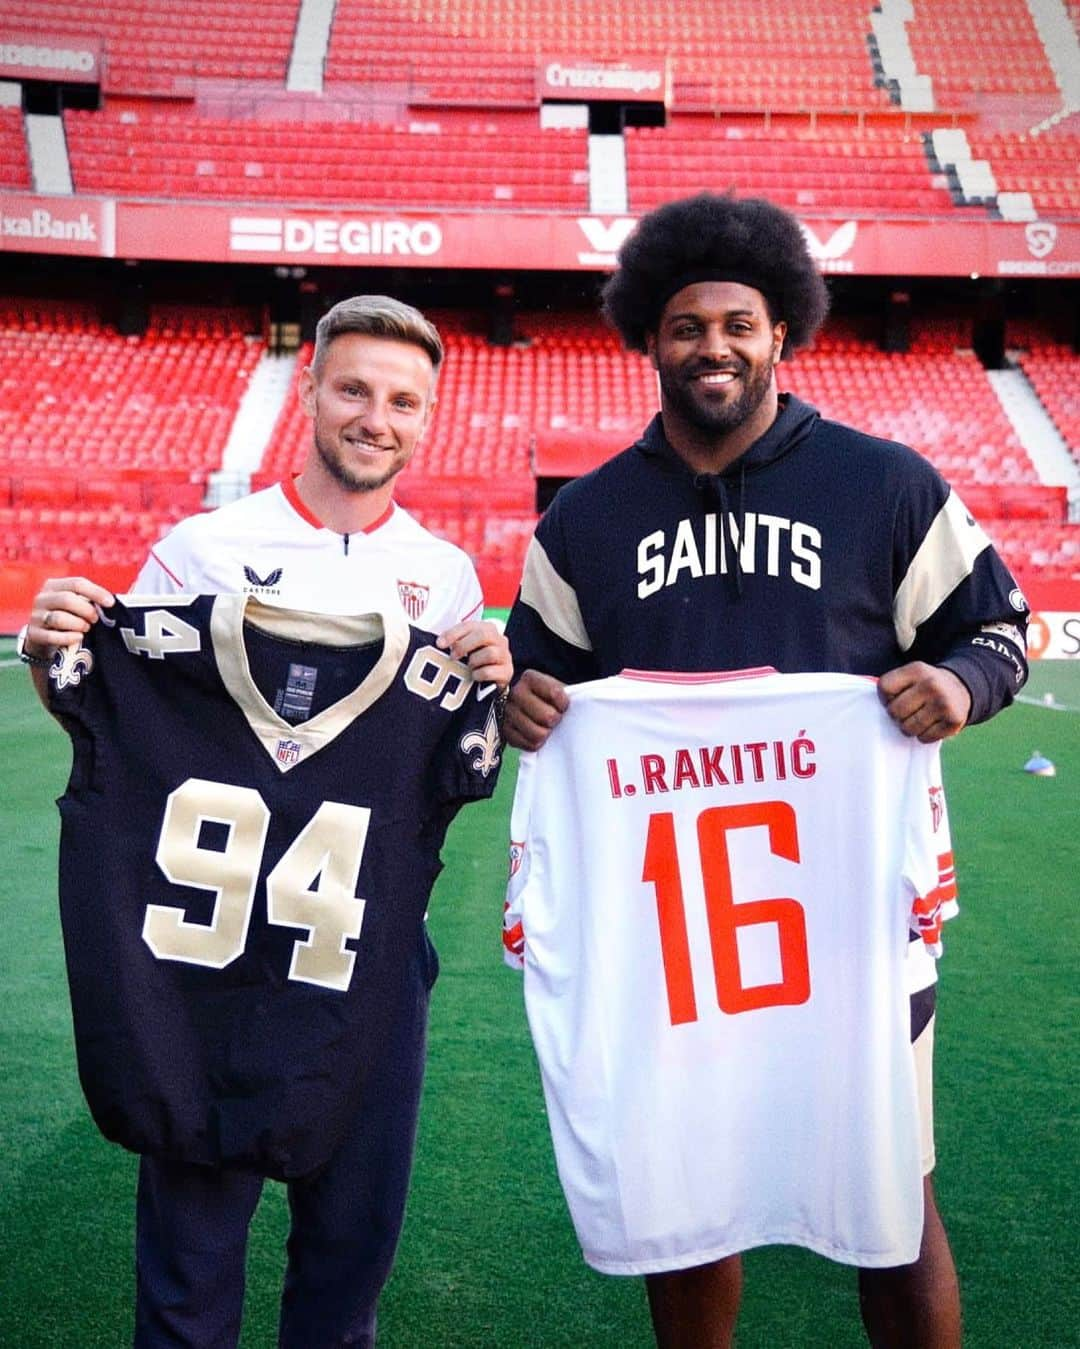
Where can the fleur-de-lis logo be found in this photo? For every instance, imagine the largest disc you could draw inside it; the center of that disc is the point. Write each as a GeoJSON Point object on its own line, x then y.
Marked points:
{"type": "Point", "coordinates": [486, 746]}
{"type": "Point", "coordinates": [73, 662]}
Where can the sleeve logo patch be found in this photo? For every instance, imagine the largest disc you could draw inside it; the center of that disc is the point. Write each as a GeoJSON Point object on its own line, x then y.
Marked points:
{"type": "Point", "coordinates": [485, 747]}
{"type": "Point", "coordinates": [517, 856]}
{"type": "Point", "coordinates": [70, 665]}
{"type": "Point", "coordinates": [937, 806]}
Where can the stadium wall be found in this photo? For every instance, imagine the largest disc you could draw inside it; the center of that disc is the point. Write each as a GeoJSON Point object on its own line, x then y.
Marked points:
{"type": "Point", "coordinates": [106, 227]}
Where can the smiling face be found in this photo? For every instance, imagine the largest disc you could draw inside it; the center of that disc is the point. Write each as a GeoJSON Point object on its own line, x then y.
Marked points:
{"type": "Point", "coordinates": [370, 402]}
{"type": "Point", "coordinates": [715, 350]}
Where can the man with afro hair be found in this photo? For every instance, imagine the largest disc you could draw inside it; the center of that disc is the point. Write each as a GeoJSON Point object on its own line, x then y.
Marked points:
{"type": "Point", "coordinates": [744, 530]}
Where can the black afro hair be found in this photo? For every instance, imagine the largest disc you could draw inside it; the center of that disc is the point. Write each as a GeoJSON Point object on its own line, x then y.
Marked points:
{"type": "Point", "coordinates": [745, 238]}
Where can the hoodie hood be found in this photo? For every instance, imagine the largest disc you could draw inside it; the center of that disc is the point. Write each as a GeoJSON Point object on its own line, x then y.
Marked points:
{"type": "Point", "coordinates": [794, 422]}
{"type": "Point", "coordinates": [726, 491]}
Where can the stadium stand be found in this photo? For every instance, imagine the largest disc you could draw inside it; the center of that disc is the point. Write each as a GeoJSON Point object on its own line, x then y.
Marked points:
{"type": "Point", "coordinates": [1047, 166]}
{"type": "Point", "coordinates": [845, 165]}
{"type": "Point", "coordinates": [1054, 371]}
{"type": "Point", "coordinates": [508, 163]}
{"type": "Point", "coordinates": [1049, 552]}
{"type": "Point", "coordinates": [569, 387]}
{"type": "Point", "coordinates": [101, 472]}
{"type": "Point", "coordinates": [458, 51]}
{"type": "Point", "coordinates": [434, 106]}
{"type": "Point", "coordinates": [961, 46]}
{"type": "Point", "coordinates": [105, 439]}
{"type": "Point", "coordinates": [829, 134]}
{"type": "Point", "coordinates": [157, 47]}
{"type": "Point", "coordinates": [14, 165]}
{"type": "Point", "coordinates": [933, 397]}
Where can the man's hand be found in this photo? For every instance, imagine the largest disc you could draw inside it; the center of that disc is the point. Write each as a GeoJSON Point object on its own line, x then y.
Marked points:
{"type": "Point", "coordinates": [537, 703]}
{"type": "Point", "coordinates": [62, 613]}
{"type": "Point", "coordinates": [926, 701]}
{"type": "Point", "coordinates": [483, 648]}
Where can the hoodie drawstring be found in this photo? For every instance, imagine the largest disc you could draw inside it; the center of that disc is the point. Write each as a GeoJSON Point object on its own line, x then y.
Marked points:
{"type": "Point", "coordinates": [713, 485]}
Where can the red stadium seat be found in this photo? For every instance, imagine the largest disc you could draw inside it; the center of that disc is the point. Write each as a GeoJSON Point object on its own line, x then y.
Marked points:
{"type": "Point", "coordinates": [111, 437]}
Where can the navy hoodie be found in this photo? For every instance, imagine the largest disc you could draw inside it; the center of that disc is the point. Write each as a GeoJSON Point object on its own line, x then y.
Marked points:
{"type": "Point", "coordinates": [819, 548]}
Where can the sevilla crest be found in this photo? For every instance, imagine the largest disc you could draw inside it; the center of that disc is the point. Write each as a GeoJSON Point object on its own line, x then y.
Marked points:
{"type": "Point", "coordinates": [414, 598]}
{"type": "Point", "coordinates": [937, 806]}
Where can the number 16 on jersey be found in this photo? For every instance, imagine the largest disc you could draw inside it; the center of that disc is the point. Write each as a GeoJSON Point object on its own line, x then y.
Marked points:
{"type": "Point", "coordinates": [664, 869]}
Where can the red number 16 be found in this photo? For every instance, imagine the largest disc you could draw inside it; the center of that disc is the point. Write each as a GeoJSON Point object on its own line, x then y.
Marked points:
{"type": "Point", "coordinates": [725, 917]}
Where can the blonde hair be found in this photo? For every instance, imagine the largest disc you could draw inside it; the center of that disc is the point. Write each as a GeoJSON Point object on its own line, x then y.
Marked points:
{"type": "Point", "coordinates": [379, 316]}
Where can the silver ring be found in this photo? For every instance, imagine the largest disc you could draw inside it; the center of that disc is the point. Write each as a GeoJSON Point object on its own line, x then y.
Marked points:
{"type": "Point", "coordinates": [46, 622]}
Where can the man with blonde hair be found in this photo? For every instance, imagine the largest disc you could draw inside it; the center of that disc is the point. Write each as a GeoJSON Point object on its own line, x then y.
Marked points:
{"type": "Point", "coordinates": [330, 540]}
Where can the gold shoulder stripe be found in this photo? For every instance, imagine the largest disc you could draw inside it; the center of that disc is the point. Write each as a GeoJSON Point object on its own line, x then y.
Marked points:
{"type": "Point", "coordinates": [543, 589]}
{"type": "Point", "coordinates": [945, 557]}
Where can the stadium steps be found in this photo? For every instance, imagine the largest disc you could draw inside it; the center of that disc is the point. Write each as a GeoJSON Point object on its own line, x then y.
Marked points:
{"type": "Point", "coordinates": [270, 385]}
{"type": "Point", "coordinates": [1037, 433]}
{"type": "Point", "coordinates": [914, 90]}
{"type": "Point", "coordinates": [311, 42]}
{"type": "Point", "coordinates": [1054, 371]}
{"type": "Point", "coordinates": [49, 163]}
{"type": "Point", "coordinates": [607, 175]}
{"type": "Point", "coordinates": [1059, 38]}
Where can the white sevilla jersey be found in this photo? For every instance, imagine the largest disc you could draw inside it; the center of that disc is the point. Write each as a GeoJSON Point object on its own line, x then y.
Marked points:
{"type": "Point", "coordinates": [713, 878]}
{"type": "Point", "coordinates": [270, 545]}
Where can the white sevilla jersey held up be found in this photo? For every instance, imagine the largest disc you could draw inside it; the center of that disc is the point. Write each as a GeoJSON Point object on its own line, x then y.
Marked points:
{"type": "Point", "coordinates": [713, 878]}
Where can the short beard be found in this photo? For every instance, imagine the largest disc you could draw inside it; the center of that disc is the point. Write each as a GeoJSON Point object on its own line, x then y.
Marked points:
{"type": "Point", "coordinates": [344, 478]}
{"type": "Point", "coordinates": [719, 418]}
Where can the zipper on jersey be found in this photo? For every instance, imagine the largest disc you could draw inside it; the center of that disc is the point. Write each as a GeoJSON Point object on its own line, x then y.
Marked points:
{"type": "Point", "coordinates": [345, 543]}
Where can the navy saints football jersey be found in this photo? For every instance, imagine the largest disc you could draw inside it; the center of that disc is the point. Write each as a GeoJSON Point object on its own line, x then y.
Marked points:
{"type": "Point", "coordinates": [249, 839]}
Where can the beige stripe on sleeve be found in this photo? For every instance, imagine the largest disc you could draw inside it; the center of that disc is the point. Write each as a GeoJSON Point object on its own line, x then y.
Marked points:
{"type": "Point", "coordinates": [543, 589]}
{"type": "Point", "coordinates": [945, 557]}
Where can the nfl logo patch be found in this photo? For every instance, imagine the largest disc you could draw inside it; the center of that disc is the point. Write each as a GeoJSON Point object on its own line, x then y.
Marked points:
{"type": "Point", "coordinates": [288, 751]}
{"type": "Point", "coordinates": [414, 597]}
{"type": "Point", "coordinates": [937, 806]}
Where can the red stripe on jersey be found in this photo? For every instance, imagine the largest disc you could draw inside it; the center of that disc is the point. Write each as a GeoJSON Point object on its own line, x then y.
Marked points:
{"type": "Point", "coordinates": [293, 497]}
{"type": "Point", "coordinates": [375, 524]}
{"type": "Point", "coordinates": [168, 572]}
{"type": "Point", "coordinates": [946, 875]}
{"type": "Point", "coordinates": [926, 911]}
{"type": "Point", "coordinates": [513, 936]}
{"type": "Point", "coordinates": [705, 677]}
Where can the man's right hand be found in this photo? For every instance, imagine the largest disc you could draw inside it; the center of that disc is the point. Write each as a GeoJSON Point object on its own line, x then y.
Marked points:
{"type": "Point", "coordinates": [537, 703]}
{"type": "Point", "coordinates": [62, 613]}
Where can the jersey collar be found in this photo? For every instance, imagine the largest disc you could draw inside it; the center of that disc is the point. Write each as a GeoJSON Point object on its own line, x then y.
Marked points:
{"type": "Point", "coordinates": [227, 634]}
{"type": "Point", "coordinates": [292, 496]}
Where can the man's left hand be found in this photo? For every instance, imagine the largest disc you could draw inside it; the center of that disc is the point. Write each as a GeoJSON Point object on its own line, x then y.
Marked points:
{"type": "Point", "coordinates": [481, 646]}
{"type": "Point", "coordinates": [926, 701]}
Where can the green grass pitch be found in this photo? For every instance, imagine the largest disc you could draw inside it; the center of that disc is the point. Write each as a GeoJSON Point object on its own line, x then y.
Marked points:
{"type": "Point", "coordinates": [488, 1256]}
